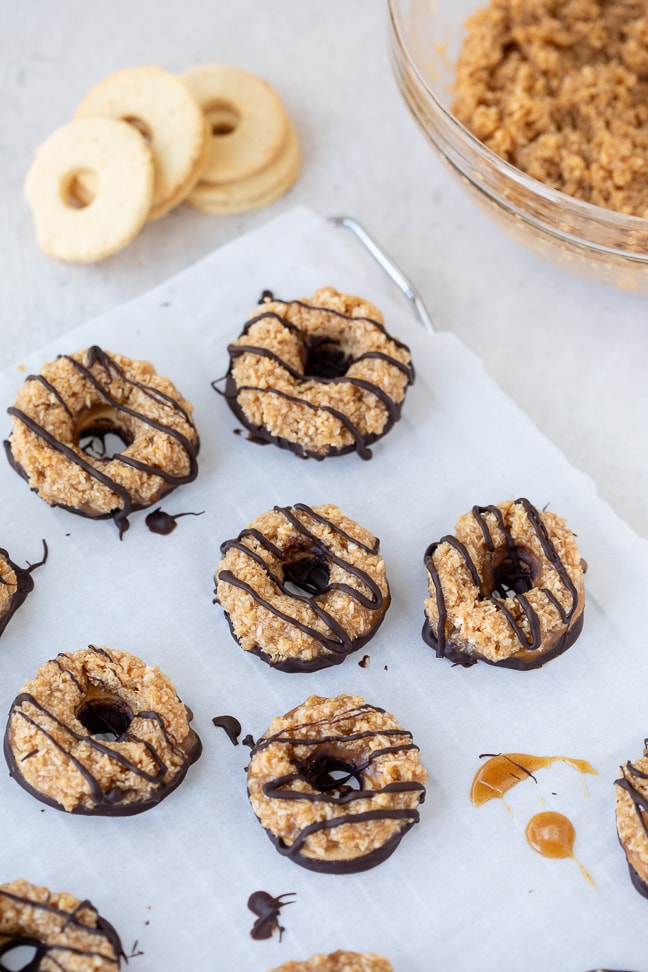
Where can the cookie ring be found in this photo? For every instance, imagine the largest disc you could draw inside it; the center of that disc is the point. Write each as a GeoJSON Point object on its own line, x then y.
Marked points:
{"type": "Point", "coordinates": [331, 559]}
{"type": "Point", "coordinates": [336, 783]}
{"type": "Point", "coordinates": [67, 934]}
{"type": "Point", "coordinates": [260, 189]}
{"type": "Point", "coordinates": [507, 589]}
{"type": "Point", "coordinates": [121, 167]}
{"type": "Point", "coordinates": [320, 377]}
{"type": "Point", "coordinates": [161, 108]}
{"type": "Point", "coordinates": [99, 732]}
{"type": "Point", "coordinates": [339, 961]}
{"type": "Point", "coordinates": [15, 584]}
{"type": "Point", "coordinates": [632, 818]}
{"type": "Point", "coordinates": [247, 120]}
{"type": "Point", "coordinates": [89, 395]}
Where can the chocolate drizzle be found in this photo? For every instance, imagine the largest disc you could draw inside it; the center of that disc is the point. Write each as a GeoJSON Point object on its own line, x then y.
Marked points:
{"type": "Point", "coordinates": [338, 778]}
{"type": "Point", "coordinates": [24, 584]}
{"type": "Point", "coordinates": [512, 578]}
{"type": "Point", "coordinates": [55, 953]}
{"type": "Point", "coordinates": [306, 565]}
{"type": "Point", "coordinates": [118, 801]}
{"type": "Point", "coordinates": [93, 466]}
{"type": "Point", "coordinates": [325, 363]}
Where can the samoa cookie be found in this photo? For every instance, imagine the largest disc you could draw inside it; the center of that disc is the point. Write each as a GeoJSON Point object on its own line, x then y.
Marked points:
{"type": "Point", "coordinates": [15, 584]}
{"type": "Point", "coordinates": [632, 818]}
{"type": "Point", "coordinates": [166, 116]}
{"type": "Point", "coordinates": [302, 587]}
{"type": "Point", "coordinates": [116, 159]}
{"type": "Point", "coordinates": [319, 376]}
{"type": "Point", "coordinates": [68, 934]}
{"type": "Point", "coordinates": [507, 588]}
{"type": "Point", "coordinates": [98, 731]}
{"type": "Point", "coordinates": [336, 783]}
{"type": "Point", "coordinates": [62, 421]}
{"type": "Point", "coordinates": [339, 962]}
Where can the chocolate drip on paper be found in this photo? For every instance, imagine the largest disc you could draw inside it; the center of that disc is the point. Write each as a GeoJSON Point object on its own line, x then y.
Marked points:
{"type": "Point", "coordinates": [112, 802]}
{"type": "Point", "coordinates": [231, 725]}
{"type": "Point", "coordinates": [318, 769]}
{"type": "Point", "coordinates": [336, 642]}
{"type": "Point", "coordinates": [518, 580]}
{"type": "Point", "coordinates": [158, 521]}
{"type": "Point", "coordinates": [267, 908]}
{"type": "Point", "coordinates": [95, 355]}
{"type": "Point", "coordinates": [332, 372]}
{"type": "Point", "coordinates": [24, 583]}
{"type": "Point", "coordinates": [103, 929]}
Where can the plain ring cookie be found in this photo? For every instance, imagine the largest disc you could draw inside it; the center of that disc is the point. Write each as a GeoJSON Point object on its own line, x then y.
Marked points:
{"type": "Point", "coordinates": [78, 400]}
{"type": "Point", "coordinates": [160, 107]}
{"type": "Point", "coordinates": [99, 732]}
{"type": "Point", "coordinates": [246, 119]}
{"type": "Point", "coordinates": [118, 160]}
{"type": "Point", "coordinates": [336, 783]}
{"type": "Point", "coordinates": [508, 588]}
{"type": "Point", "coordinates": [302, 588]}
{"type": "Point", "coordinates": [15, 584]}
{"type": "Point", "coordinates": [339, 961]}
{"type": "Point", "coordinates": [321, 377]}
{"type": "Point", "coordinates": [260, 189]}
{"type": "Point", "coordinates": [632, 818]}
{"type": "Point", "coordinates": [67, 934]}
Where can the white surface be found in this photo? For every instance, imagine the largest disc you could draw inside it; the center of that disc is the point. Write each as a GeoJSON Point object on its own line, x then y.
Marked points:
{"type": "Point", "coordinates": [463, 891]}
{"type": "Point", "coordinates": [572, 354]}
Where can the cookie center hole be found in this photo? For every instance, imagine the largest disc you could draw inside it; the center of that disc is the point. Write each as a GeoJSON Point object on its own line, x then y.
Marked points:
{"type": "Point", "coordinates": [325, 358]}
{"type": "Point", "coordinates": [222, 118]}
{"type": "Point", "coordinates": [513, 576]}
{"type": "Point", "coordinates": [141, 127]}
{"type": "Point", "coordinates": [21, 954]}
{"type": "Point", "coordinates": [307, 575]}
{"type": "Point", "coordinates": [107, 719]}
{"type": "Point", "coordinates": [80, 189]}
{"type": "Point", "coordinates": [331, 774]}
{"type": "Point", "coordinates": [101, 436]}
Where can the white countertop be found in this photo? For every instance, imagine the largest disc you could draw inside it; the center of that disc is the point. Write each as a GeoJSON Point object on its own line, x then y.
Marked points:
{"type": "Point", "coordinates": [571, 353]}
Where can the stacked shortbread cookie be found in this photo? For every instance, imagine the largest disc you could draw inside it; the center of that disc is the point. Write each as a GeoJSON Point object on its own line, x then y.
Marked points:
{"type": "Point", "coordinates": [144, 140]}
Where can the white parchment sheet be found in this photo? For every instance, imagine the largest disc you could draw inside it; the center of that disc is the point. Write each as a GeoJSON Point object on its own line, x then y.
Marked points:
{"type": "Point", "coordinates": [464, 891]}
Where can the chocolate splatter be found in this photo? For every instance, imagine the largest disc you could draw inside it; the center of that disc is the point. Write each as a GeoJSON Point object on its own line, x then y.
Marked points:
{"type": "Point", "coordinates": [267, 908]}
{"type": "Point", "coordinates": [158, 521]}
{"type": "Point", "coordinates": [364, 661]}
{"type": "Point", "coordinates": [231, 726]}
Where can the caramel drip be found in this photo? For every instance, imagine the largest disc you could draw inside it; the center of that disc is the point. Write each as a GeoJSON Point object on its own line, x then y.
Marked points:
{"type": "Point", "coordinates": [503, 771]}
{"type": "Point", "coordinates": [112, 801]}
{"type": "Point", "coordinates": [337, 641]}
{"type": "Point", "coordinates": [70, 919]}
{"type": "Point", "coordinates": [551, 834]}
{"type": "Point", "coordinates": [114, 372]}
{"type": "Point", "coordinates": [330, 748]}
{"type": "Point", "coordinates": [361, 441]}
{"type": "Point", "coordinates": [531, 615]}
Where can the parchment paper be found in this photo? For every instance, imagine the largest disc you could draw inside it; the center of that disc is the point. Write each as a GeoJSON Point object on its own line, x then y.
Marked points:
{"type": "Point", "coordinates": [464, 891]}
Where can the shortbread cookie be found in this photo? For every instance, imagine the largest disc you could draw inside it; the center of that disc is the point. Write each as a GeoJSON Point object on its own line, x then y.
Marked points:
{"type": "Point", "coordinates": [342, 592]}
{"type": "Point", "coordinates": [99, 732]}
{"type": "Point", "coordinates": [160, 106]}
{"type": "Point", "coordinates": [339, 962]}
{"type": "Point", "coordinates": [508, 588]}
{"type": "Point", "coordinates": [15, 584]}
{"type": "Point", "coordinates": [336, 783]}
{"type": "Point", "coordinates": [82, 398]}
{"type": "Point", "coordinates": [246, 117]}
{"type": "Point", "coordinates": [259, 189]}
{"type": "Point", "coordinates": [69, 935]}
{"type": "Point", "coordinates": [119, 163]}
{"type": "Point", "coordinates": [320, 376]}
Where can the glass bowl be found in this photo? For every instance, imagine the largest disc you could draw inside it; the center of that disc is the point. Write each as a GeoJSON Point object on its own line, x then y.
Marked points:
{"type": "Point", "coordinates": [597, 243]}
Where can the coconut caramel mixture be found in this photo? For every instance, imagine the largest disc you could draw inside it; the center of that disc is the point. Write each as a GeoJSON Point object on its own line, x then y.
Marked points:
{"type": "Point", "coordinates": [99, 732]}
{"type": "Point", "coordinates": [302, 587]}
{"type": "Point", "coordinates": [320, 376]}
{"type": "Point", "coordinates": [632, 819]}
{"type": "Point", "coordinates": [559, 88]}
{"type": "Point", "coordinates": [69, 935]}
{"type": "Point", "coordinates": [339, 962]}
{"type": "Point", "coordinates": [62, 416]}
{"type": "Point", "coordinates": [507, 588]}
{"type": "Point", "coordinates": [336, 783]}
